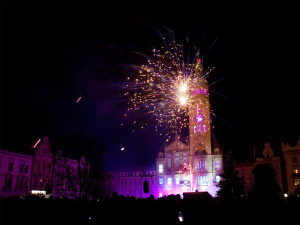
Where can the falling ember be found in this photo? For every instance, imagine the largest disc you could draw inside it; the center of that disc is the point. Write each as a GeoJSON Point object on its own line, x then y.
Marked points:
{"type": "Point", "coordinates": [37, 143]}
{"type": "Point", "coordinates": [78, 99]}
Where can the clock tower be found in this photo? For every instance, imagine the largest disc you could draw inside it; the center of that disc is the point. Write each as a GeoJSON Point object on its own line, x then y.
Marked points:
{"type": "Point", "coordinates": [199, 116]}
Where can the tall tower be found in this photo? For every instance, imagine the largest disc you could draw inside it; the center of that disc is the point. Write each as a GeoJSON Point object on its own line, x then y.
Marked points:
{"type": "Point", "coordinates": [199, 116]}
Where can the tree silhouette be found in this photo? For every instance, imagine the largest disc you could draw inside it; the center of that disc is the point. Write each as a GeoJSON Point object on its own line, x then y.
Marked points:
{"type": "Point", "coordinates": [231, 185]}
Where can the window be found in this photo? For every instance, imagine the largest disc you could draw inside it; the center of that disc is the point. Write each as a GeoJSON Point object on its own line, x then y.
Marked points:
{"type": "Point", "coordinates": [21, 166]}
{"type": "Point", "coordinates": [217, 165]}
{"type": "Point", "coordinates": [185, 160]}
{"type": "Point", "coordinates": [161, 180]}
{"type": "Point", "coordinates": [176, 162]}
{"type": "Point", "coordinates": [195, 129]}
{"type": "Point", "coordinates": [160, 168]}
{"type": "Point", "coordinates": [169, 180]}
{"type": "Point", "coordinates": [26, 168]}
{"type": "Point", "coordinates": [204, 128]}
{"type": "Point", "coordinates": [19, 183]}
{"type": "Point", "coordinates": [49, 168]}
{"type": "Point", "coordinates": [297, 181]}
{"type": "Point", "coordinates": [169, 163]}
{"type": "Point", "coordinates": [201, 165]}
{"type": "Point", "coordinates": [277, 166]}
{"type": "Point", "coordinates": [177, 180]}
{"type": "Point", "coordinates": [202, 180]}
{"type": "Point", "coordinates": [43, 167]}
{"type": "Point", "coordinates": [296, 171]}
{"type": "Point", "coordinates": [8, 182]}
{"type": "Point", "coordinates": [10, 165]}
{"type": "Point", "coordinates": [218, 178]}
{"type": "Point", "coordinates": [294, 160]}
{"type": "Point", "coordinates": [37, 167]}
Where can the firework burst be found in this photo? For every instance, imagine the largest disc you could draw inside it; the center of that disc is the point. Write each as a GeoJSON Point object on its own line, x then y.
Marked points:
{"type": "Point", "coordinates": [163, 86]}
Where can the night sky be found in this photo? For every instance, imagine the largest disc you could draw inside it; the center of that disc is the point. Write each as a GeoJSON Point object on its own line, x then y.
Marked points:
{"type": "Point", "coordinates": [54, 52]}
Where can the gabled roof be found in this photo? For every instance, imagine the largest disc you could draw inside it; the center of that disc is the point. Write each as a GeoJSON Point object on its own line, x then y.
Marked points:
{"type": "Point", "coordinates": [177, 145]}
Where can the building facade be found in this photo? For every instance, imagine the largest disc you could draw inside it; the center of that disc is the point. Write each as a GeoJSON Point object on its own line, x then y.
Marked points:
{"type": "Point", "coordinates": [70, 177]}
{"type": "Point", "coordinates": [22, 174]}
{"type": "Point", "coordinates": [291, 155]}
{"type": "Point", "coordinates": [42, 166]}
{"type": "Point", "coordinates": [15, 173]}
{"type": "Point", "coordinates": [267, 156]}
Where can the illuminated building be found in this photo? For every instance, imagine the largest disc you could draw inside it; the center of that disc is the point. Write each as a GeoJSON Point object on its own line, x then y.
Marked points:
{"type": "Point", "coordinates": [69, 177]}
{"type": "Point", "coordinates": [22, 174]}
{"type": "Point", "coordinates": [291, 155]}
{"type": "Point", "coordinates": [15, 173]}
{"type": "Point", "coordinates": [195, 166]}
{"type": "Point", "coordinates": [191, 164]}
{"type": "Point", "coordinates": [42, 166]}
{"type": "Point", "coordinates": [131, 182]}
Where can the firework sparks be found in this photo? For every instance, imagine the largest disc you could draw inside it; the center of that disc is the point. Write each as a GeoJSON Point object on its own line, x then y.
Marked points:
{"type": "Point", "coordinates": [165, 86]}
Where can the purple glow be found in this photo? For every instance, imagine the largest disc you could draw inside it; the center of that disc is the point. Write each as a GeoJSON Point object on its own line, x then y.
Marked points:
{"type": "Point", "coordinates": [204, 91]}
{"type": "Point", "coordinates": [204, 128]}
{"type": "Point", "coordinates": [199, 128]}
{"type": "Point", "coordinates": [201, 91]}
{"type": "Point", "coordinates": [199, 118]}
{"type": "Point", "coordinates": [195, 129]}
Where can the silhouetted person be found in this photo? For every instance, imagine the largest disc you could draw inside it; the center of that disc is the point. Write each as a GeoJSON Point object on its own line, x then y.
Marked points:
{"type": "Point", "coordinates": [266, 201]}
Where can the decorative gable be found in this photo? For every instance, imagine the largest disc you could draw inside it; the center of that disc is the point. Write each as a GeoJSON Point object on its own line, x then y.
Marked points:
{"type": "Point", "coordinates": [177, 145]}
{"type": "Point", "coordinates": [45, 147]}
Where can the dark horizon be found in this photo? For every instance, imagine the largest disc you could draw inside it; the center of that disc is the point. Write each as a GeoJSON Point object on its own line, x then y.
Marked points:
{"type": "Point", "coordinates": [54, 52]}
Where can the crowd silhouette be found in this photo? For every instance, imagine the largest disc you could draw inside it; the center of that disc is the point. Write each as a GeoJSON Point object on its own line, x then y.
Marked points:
{"type": "Point", "coordinates": [265, 204]}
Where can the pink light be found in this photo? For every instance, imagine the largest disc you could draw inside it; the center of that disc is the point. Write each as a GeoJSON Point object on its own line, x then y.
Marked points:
{"type": "Point", "coordinates": [198, 91]}
{"type": "Point", "coordinates": [37, 143]}
{"type": "Point", "coordinates": [201, 91]}
{"type": "Point", "coordinates": [195, 91]}
{"type": "Point", "coordinates": [78, 99]}
{"type": "Point", "coordinates": [204, 128]}
{"type": "Point", "coordinates": [204, 91]}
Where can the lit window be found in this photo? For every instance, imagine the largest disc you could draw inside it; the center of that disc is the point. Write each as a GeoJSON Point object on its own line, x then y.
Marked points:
{"type": "Point", "coordinates": [161, 180]}
{"type": "Point", "coordinates": [160, 168]}
{"type": "Point", "coordinates": [202, 180]}
{"type": "Point", "coordinates": [218, 178]}
{"type": "Point", "coordinates": [198, 91]}
{"type": "Point", "coordinates": [204, 128]}
{"type": "Point", "coordinates": [201, 91]}
{"type": "Point", "coordinates": [177, 180]}
{"type": "Point", "coordinates": [204, 92]}
{"type": "Point", "coordinates": [195, 129]}
{"type": "Point", "coordinates": [169, 180]}
{"type": "Point", "coordinates": [297, 181]}
{"type": "Point", "coordinates": [160, 195]}
{"type": "Point", "coordinates": [217, 165]}
{"type": "Point", "coordinates": [296, 171]}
